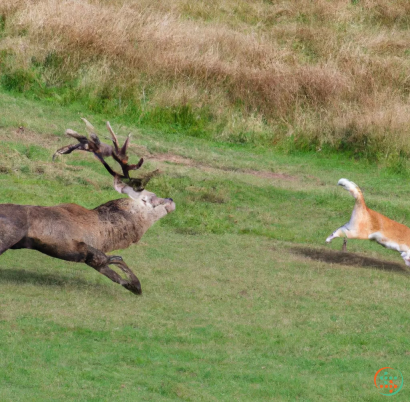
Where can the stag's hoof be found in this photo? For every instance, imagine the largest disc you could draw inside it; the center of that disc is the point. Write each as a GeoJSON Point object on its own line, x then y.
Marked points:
{"type": "Point", "coordinates": [134, 287]}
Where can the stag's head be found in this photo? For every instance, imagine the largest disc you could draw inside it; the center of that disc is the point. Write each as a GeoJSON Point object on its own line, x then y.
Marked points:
{"type": "Point", "coordinates": [146, 204]}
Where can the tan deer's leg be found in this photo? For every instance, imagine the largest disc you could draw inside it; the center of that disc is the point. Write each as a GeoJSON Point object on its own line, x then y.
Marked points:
{"type": "Point", "coordinates": [340, 232]}
{"type": "Point", "coordinates": [406, 257]}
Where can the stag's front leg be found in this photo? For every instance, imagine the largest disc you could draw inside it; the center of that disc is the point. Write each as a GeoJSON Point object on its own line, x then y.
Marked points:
{"type": "Point", "coordinates": [133, 284]}
{"type": "Point", "coordinates": [100, 261]}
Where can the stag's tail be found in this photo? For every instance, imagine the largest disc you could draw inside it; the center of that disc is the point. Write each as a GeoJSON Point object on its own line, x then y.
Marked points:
{"type": "Point", "coordinates": [353, 189]}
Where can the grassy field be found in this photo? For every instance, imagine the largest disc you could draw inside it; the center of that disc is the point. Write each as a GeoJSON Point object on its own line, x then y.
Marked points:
{"type": "Point", "coordinates": [242, 299]}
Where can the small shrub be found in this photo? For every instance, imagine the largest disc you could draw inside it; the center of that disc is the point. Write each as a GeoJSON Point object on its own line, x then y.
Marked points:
{"type": "Point", "coordinates": [2, 24]}
{"type": "Point", "coordinates": [397, 163]}
{"type": "Point", "coordinates": [18, 80]}
{"type": "Point", "coordinates": [25, 169]}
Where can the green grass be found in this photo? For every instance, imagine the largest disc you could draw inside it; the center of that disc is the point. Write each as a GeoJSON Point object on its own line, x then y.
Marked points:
{"type": "Point", "coordinates": [242, 299]}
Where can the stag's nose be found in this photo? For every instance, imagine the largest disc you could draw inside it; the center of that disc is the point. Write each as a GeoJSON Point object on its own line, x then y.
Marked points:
{"type": "Point", "coordinates": [170, 206]}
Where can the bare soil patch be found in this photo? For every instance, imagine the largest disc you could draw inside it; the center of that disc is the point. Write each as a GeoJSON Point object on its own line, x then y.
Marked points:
{"type": "Point", "coordinates": [270, 175]}
{"type": "Point", "coordinates": [180, 160]}
{"type": "Point", "coordinates": [27, 136]}
{"type": "Point", "coordinates": [168, 157]}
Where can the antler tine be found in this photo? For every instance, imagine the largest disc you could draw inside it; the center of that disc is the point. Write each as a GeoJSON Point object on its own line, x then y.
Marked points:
{"type": "Point", "coordinates": [80, 138]}
{"type": "Point", "coordinates": [90, 128]}
{"type": "Point", "coordinates": [117, 155]}
{"type": "Point", "coordinates": [107, 166]}
{"type": "Point", "coordinates": [67, 150]}
{"type": "Point", "coordinates": [125, 146]}
{"type": "Point", "coordinates": [120, 155]}
{"type": "Point", "coordinates": [124, 166]}
{"type": "Point", "coordinates": [137, 166]}
{"type": "Point", "coordinates": [114, 137]}
{"type": "Point", "coordinates": [120, 151]}
{"type": "Point", "coordinates": [94, 142]}
{"type": "Point", "coordinates": [83, 144]}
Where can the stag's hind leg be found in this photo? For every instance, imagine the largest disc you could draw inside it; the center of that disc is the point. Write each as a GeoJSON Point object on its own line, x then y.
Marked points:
{"type": "Point", "coordinates": [100, 261]}
{"type": "Point", "coordinates": [7, 242]}
{"type": "Point", "coordinates": [12, 234]}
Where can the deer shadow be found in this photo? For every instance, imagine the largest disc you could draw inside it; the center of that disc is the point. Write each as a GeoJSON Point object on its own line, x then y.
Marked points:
{"type": "Point", "coordinates": [350, 259]}
{"type": "Point", "coordinates": [17, 275]}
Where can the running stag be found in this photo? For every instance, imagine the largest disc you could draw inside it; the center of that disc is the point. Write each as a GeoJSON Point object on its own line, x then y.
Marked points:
{"type": "Point", "coordinates": [73, 233]}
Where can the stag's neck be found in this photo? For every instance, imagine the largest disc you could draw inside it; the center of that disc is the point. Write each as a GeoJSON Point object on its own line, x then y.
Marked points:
{"type": "Point", "coordinates": [121, 224]}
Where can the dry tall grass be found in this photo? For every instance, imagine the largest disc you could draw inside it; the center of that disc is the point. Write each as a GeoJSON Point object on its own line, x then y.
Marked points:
{"type": "Point", "coordinates": [322, 72]}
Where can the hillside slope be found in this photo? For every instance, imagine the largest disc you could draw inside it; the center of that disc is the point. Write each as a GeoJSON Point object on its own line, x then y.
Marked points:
{"type": "Point", "coordinates": [310, 75]}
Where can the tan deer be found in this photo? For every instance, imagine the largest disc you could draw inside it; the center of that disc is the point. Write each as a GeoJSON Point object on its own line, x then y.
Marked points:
{"type": "Point", "coordinates": [73, 233]}
{"type": "Point", "coordinates": [371, 225]}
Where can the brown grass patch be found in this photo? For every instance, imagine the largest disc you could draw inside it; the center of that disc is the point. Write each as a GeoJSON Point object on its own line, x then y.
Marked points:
{"type": "Point", "coordinates": [298, 68]}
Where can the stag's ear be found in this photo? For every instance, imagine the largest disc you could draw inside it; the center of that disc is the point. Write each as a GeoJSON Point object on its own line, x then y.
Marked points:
{"type": "Point", "coordinates": [123, 188]}
{"type": "Point", "coordinates": [135, 195]}
{"type": "Point", "coordinates": [118, 184]}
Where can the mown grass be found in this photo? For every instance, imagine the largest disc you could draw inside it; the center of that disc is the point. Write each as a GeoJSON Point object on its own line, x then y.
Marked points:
{"type": "Point", "coordinates": [242, 299]}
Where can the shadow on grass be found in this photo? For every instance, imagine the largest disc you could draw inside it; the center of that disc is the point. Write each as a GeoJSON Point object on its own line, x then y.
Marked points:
{"type": "Point", "coordinates": [23, 276]}
{"type": "Point", "coordinates": [351, 259]}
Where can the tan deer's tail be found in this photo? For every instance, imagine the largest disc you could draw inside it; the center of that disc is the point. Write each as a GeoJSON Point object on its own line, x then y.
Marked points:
{"type": "Point", "coordinates": [353, 189]}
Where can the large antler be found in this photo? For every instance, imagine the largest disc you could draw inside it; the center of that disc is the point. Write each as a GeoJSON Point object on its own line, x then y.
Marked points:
{"type": "Point", "coordinates": [85, 144]}
{"type": "Point", "coordinates": [101, 151]}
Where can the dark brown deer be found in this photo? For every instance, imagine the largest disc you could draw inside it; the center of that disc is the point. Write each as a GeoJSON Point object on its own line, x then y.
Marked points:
{"type": "Point", "coordinates": [73, 233]}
